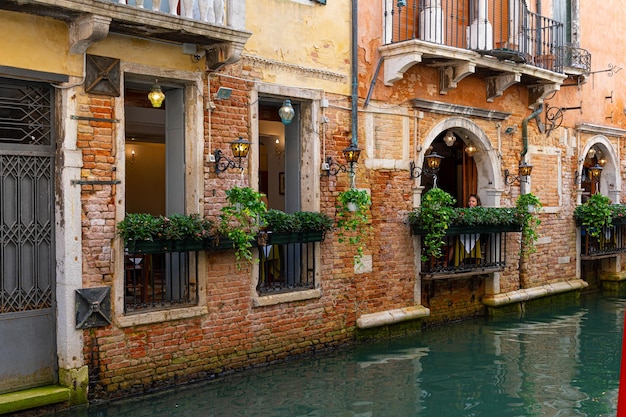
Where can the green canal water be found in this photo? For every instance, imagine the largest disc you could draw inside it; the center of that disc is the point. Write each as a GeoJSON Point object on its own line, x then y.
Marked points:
{"type": "Point", "coordinates": [559, 363]}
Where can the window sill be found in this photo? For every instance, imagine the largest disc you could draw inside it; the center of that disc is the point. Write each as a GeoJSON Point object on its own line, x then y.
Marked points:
{"type": "Point", "coordinates": [268, 300]}
{"type": "Point", "coordinates": [161, 316]}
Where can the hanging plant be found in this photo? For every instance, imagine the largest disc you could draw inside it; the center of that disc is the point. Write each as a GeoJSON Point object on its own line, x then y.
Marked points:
{"type": "Point", "coordinates": [353, 219]}
{"type": "Point", "coordinates": [528, 206]}
{"type": "Point", "coordinates": [240, 220]}
{"type": "Point", "coordinates": [435, 215]}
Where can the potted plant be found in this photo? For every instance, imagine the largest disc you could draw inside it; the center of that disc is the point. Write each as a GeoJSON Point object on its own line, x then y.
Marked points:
{"type": "Point", "coordinates": [299, 227]}
{"type": "Point", "coordinates": [595, 214]}
{"type": "Point", "coordinates": [528, 205]}
{"type": "Point", "coordinates": [145, 233]}
{"type": "Point", "coordinates": [353, 218]}
{"type": "Point", "coordinates": [434, 214]}
{"type": "Point", "coordinates": [240, 220]}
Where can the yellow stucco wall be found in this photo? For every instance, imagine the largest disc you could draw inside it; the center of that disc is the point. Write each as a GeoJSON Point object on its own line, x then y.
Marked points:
{"type": "Point", "coordinates": [308, 35]}
{"type": "Point", "coordinates": [42, 44]}
{"type": "Point", "coordinates": [37, 43]}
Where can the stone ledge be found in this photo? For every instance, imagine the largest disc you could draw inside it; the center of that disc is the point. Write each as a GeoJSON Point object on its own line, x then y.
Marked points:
{"type": "Point", "coordinates": [613, 276]}
{"type": "Point", "coordinates": [382, 318]}
{"type": "Point", "coordinates": [499, 300]}
{"type": "Point", "coordinates": [33, 398]}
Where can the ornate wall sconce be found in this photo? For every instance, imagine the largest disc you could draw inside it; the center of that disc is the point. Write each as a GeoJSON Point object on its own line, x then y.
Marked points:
{"type": "Point", "coordinates": [286, 112]}
{"type": "Point", "coordinates": [433, 161]}
{"type": "Point", "coordinates": [239, 147]}
{"type": "Point", "coordinates": [351, 153]}
{"type": "Point", "coordinates": [523, 174]}
{"type": "Point", "coordinates": [594, 173]}
{"type": "Point", "coordinates": [156, 95]}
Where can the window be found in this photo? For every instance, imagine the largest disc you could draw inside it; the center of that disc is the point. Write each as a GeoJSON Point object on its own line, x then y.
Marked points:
{"type": "Point", "coordinates": [288, 163]}
{"type": "Point", "coordinates": [155, 184]}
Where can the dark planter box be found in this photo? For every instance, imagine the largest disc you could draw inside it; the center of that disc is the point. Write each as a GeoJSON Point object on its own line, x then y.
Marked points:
{"type": "Point", "coordinates": [283, 238]}
{"type": "Point", "coordinates": [482, 228]}
{"type": "Point", "coordinates": [147, 247]}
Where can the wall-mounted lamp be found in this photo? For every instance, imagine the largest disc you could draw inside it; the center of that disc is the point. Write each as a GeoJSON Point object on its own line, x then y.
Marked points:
{"type": "Point", "coordinates": [470, 150]}
{"type": "Point", "coordinates": [132, 157]}
{"type": "Point", "coordinates": [510, 130]}
{"type": "Point", "coordinates": [286, 112]}
{"type": "Point", "coordinates": [351, 153]}
{"type": "Point", "coordinates": [433, 161]}
{"type": "Point", "coordinates": [239, 147]}
{"type": "Point", "coordinates": [602, 162]}
{"type": "Point", "coordinates": [223, 93]}
{"type": "Point", "coordinates": [156, 95]}
{"type": "Point", "coordinates": [523, 174]}
{"type": "Point", "coordinates": [449, 138]}
{"type": "Point", "coordinates": [595, 172]}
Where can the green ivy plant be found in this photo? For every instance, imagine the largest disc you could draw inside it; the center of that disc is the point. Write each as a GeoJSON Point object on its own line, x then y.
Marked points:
{"type": "Point", "coordinates": [435, 215]}
{"type": "Point", "coordinates": [595, 214]}
{"type": "Point", "coordinates": [241, 220]}
{"type": "Point", "coordinates": [528, 206]}
{"type": "Point", "coordinates": [353, 220]}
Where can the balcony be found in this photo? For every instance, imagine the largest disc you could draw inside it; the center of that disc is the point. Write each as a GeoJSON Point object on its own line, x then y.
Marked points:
{"type": "Point", "coordinates": [92, 20]}
{"type": "Point", "coordinates": [573, 61]}
{"type": "Point", "coordinates": [609, 242]}
{"type": "Point", "coordinates": [499, 40]}
{"type": "Point", "coordinates": [468, 251]}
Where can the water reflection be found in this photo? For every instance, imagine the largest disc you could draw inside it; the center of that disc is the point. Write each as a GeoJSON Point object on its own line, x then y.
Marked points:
{"type": "Point", "coordinates": [564, 363]}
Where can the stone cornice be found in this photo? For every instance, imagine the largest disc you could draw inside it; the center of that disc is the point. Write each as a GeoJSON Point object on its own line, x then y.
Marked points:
{"type": "Point", "coordinates": [313, 72]}
{"type": "Point", "coordinates": [440, 107]}
{"type": "Point", "coordinates": [600, 130]}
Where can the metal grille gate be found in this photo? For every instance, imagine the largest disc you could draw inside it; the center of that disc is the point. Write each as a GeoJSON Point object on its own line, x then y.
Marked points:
{"type": "Point", "coordinates": [27, 265]}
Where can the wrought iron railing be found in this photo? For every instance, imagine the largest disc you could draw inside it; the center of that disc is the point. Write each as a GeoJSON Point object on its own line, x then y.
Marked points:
{"type": "Point", "coordinates": [505, 29]}
{"type": "Point", "coordinates": [468, 251]}
{"type": "Point", "coordinates": [611, 240]}
{"type": "Point", "coordinates": [286, 267]}
{"type": "Point", "coordinates": [572, 57]}
{"type": "Point", "coordinates": [160, 280]}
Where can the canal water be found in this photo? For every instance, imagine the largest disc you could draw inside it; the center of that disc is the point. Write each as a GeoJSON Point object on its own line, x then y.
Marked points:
{"type": "Point", "coordinates": [564, 362]}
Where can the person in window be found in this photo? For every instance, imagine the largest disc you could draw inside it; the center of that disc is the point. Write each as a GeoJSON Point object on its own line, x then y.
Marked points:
{"type": "Point", "coordinates": [467, 247]}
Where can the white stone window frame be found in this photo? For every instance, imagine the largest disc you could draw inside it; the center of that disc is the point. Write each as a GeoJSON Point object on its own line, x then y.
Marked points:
{"type": "Point", "coordinates": [310, 163]}
{"type": "Point", "coordinates": [192, 82]}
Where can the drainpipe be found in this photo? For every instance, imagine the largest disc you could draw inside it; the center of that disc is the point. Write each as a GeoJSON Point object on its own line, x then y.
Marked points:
{"type": "Point", "coordinates": [533, 115]}
{"type": "Point", "coordinates": [355, 81]}
{"type": "Point", "coordinates": [523, 270]}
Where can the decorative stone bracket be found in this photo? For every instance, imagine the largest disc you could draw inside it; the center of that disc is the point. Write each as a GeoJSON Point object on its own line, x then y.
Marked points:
{"type": "Point", "coordinates": [497, 85]}
{"type": "Point", "coordinates": [451, 75]}
{"type": "Point", "coordinates": [87, 30]}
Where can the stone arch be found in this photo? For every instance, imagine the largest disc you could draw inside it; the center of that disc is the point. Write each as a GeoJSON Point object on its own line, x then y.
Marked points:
{"type": "Point", "coordinates": [486, 157]}
{"type": "Point", "coordinates": [610, 180]}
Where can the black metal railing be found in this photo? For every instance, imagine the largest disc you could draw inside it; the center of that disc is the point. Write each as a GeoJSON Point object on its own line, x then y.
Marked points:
{"type": "Point", "coordinates": [160, 280]}
{"type": "Point", "coordinates": [611, 240]}
{"type": "Point", "coordinates": [286, 267]}
{"type": "Point", "coordinates": [505, 29]}
{"type": "Point", "coordinates": [572, 57]}
{"type": "Point", "coordinates": [468, 252]}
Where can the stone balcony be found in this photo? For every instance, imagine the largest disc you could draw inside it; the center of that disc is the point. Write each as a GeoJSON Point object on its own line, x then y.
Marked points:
{"type": "Point", "coordinates": [220, 32]}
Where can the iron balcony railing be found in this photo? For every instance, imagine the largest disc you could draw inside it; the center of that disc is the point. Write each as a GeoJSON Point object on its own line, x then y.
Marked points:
{"type": "Point", "coordinates": [467, 252]}
{"type": "Point", "coordinates": [160, 280]}
{"type": "Point", "coordinates": [286, 267]}
{"type": "Point", "coordinates": [570, 57]}
{"type": "Point", "coordinates": [505, 29]}
{"type": "Point", "coordinates": [610, 241]}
